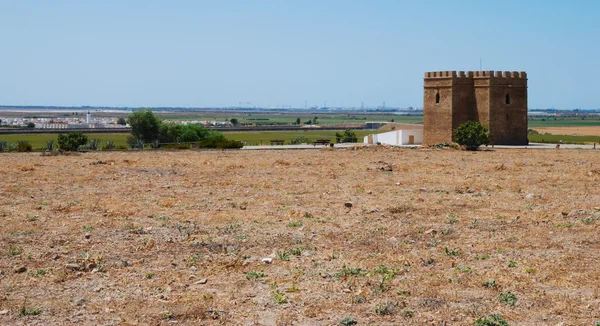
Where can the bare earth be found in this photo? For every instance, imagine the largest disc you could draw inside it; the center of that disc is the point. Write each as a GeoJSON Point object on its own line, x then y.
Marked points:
{"type": "Point", "coordinates": [580, 131]}
{"type": "Point", "coordinates": [162, 237]}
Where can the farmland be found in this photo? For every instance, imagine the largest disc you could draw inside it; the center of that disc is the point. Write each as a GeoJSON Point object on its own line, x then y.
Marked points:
{"type": "Point", "coordinates": [376, 235]}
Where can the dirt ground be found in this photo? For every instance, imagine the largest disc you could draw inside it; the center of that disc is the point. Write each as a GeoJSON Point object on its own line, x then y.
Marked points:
{"type": "Point", "coordinates": [579, 131]}
{"type": "Point", "coordinates": [380, 236]}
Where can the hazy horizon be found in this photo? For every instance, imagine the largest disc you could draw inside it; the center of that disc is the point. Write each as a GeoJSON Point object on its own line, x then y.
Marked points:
{"type": "Point", "coordinates": [270, 54]}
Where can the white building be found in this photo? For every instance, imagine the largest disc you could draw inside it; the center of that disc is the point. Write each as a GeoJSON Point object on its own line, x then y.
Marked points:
{"type": "Point", "coordinates": [396, 137]}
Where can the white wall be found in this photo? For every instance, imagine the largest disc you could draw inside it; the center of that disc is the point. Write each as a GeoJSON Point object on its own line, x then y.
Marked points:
{"type": "Point", "coordinates": [396, 137]}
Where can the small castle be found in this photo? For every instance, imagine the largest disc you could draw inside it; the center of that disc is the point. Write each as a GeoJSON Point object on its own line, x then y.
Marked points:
{"type": "Point", "coordinates": [497, 100]}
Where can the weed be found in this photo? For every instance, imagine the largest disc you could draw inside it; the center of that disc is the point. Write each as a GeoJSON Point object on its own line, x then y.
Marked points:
{"type": "Point", "coordinates": [512, 264]}
{"type": "Point", "coordinates": [30, 312]}
{"type": "Point", "coordinates": [283, 255]}
{"type": "Point", "coordinates": [446, 231]}
{"type": "Point", "coordinates": [482, 257]}
{"type": "Point", "coordinates": [15, 250]}
{"type": "Point", "coordinates": [88, 228]}
{"type": "Point", "coordinates": [452, 221]}
{"type": "Point", "coordinates": [346, 321]}
{"type": "Point", "coordinates": [295, 224]}
{"type": "Point", "coordinates": [246, 256]}
{"type": "Point", "coordinates": [39, 272]}
{"type": "Point", "coordinates": [149, 275]}
{"type": "Point", "coordinates": [588, 220]}
{"type": "Point", "coordinates": [491, 320]}
{"type": "Point", "coordinates": [348, 271]}
{"type": "Point", "coordinates": [254, 275]}
{"type": "Point", "coordinates": [167, 315]}
{"type": "Point", "coordinates": [386, 308]}
{"type": "Point", "coordinates": [433, 243]}
{"type": "Point", "coordinates": [565, 225]}
{"type": "Point", "coordinates": [451, 252]}
{"type": "Point", "coordinates": [491, 283]}
{"type": "Point", "coordinates": [194, 259]}
{"type": "Point", "coordinates": [465, 269]}
{"type": "Point", "coordinates": [279, 297]}
{"type": "Point", "coordinates": [508, 298]}
{"type": "Point", "coordinates": [296, 251]}
{"type": "Point", "coordinates": [308, 215]}
{"type": "Point", "coordinates": [530, 270]}
{"type": "Point", "coordinates": [403, 293]}
{"type": "Point", "coordinates": [358, 299]}
{"type": "Point", "coordinates": [163, 218]}
{"type": "Point", "coordinates": [18, 234]}
{"type": "Point", "coordinates": [32, 218]}
{"type": "Point", "coordinates": [408, 313]}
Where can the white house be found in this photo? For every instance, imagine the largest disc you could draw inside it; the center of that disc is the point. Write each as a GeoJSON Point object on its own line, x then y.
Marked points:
{"type": "Point", "coordinates": [396, 137]}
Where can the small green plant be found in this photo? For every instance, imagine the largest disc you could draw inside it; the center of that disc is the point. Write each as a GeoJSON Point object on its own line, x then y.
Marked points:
{"type": "Point", "coordinates": [530, 270]}
{"type": "Point", "coordinates": [149, 275]}
{"type": "Point", "coordinates": [283, 255]}
{"type": "Point", "coordinates": [403, 293]}
{"type": "Point", "coordinates": [565, 225]}
{"type": "Point", "coordinates": [348, 271]}
{"type": "Point", "coordinates": [109, 145]}
{"type": "Point", "coordinates": [451, 252]}
{"type": "Point", "coordinates": [93, 144]}
{"type": "Point", "coordinates": [4, 146]}
{"type": "Point", "coordinates": [167, 315]}
{"type": "Point", "coordinates": [491, 283]}
{"type": "Point", "coordinates": [464, 269]}
{"type": "Point", "coordinates": [512, 264]}
{"type": "Point", "coordinates": [23, 146]}
{"type": "Point", "coordinates": [588, 220]}
{"type": "Point", "coordinates": [29, 312]}
{"type": "Point", "coordinates": [408, 313]}
{"type": "Point", "coordinates": [50, 145]}
{"type": "Point", "coordinates": [15, 250]}
{"type": "Point", "coordinates": [194, 259]}
{"type": "Point", "coordinates": [279, 297]}
{"type": "Point", "coordinates": [347, 321]}
{"type": "Point", "coordinates": [88, 228]}
{"type": "Point", "coordinates": [508, 298]}
{"type": "Point", "coordinates": [308, 215]}
{"type": "Point", "coordinates": [296, 251]}
{"type": "Point", "coordinates": [39, 272]}
{"type": "Point", "coordinates": [295, 224]}
{"type": "Point", "coordinates": [386, 308]}
{"type": "Point", "coordinates": [254, 275]}
{"type": "Point", "coordinates": [482, 257]}
{"type": "Point", "coordinates": [491, 320]}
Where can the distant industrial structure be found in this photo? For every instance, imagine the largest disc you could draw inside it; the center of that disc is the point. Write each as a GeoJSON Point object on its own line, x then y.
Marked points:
{"type": "Point", "coordinates": [497, 100]}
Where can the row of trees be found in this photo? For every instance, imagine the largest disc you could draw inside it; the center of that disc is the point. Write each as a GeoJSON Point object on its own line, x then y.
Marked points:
{"type": "Point", "coordinates": [146, 127]}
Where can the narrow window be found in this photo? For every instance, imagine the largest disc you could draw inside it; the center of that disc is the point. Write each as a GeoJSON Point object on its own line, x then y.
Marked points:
{"type": "Point", "coordinates": [507, 98]}
{"type": "Point", "coordinates": [437, 98]}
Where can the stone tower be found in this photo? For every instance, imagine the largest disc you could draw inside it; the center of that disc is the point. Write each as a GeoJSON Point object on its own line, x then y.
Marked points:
{"type": "Point", "coordinates": [497, 100]}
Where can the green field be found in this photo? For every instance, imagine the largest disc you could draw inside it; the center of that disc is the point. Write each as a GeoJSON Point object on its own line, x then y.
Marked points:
{"type": "Point", "coordinates": [562, 122]}
{"type": "Point", "coordinates": [555, 139]}
{"type": "Point", "coordinates": [38, 141]}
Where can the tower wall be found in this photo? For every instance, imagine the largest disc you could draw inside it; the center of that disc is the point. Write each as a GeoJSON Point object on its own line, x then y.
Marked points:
{"type": "Point", "coordinates": [477, 96]}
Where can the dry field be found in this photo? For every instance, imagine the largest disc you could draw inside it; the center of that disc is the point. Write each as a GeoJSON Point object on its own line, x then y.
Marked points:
{"type": "Point", "coordinates": [431, 236]}
{"type": "Point", "coordinates": [579, 131]}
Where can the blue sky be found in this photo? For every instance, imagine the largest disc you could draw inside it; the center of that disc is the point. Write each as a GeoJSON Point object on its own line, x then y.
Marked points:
{"type": "Point", "coordinates": [274, 53]}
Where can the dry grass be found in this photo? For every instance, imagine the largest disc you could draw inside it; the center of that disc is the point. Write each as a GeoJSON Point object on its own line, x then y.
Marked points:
{"type": "Point", "coordinates": [575, 130]}
{"type": "Point", "coordinates": [416, 246]}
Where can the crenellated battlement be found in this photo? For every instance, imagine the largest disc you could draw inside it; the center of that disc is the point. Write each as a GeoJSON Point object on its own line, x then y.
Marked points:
{"type": "Point", "coordinates": [476, 74]}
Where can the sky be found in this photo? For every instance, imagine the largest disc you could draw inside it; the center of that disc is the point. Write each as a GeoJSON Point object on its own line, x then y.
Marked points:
{"type": "Point", "coordinates": [282, 53]}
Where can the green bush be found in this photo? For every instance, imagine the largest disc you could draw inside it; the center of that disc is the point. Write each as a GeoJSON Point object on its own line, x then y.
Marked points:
{"type": "Point", "coordinates": [50, 145]}
{"type": "Point", "coordinates": [348, 136]}
{"type": "Point", "coordinates": [109, 145]}
{"type": "Point", "coordinates": [299, 140]}
{"type": "Point", "coordinates": [220, 143]}
{"type": "Point", "coordinates": [72, 141]}
{"type": "Point", "coordinates": [176, 133]}
{"type": "Point", "coordinates": [177, 146]}
{"type": "Point", "coordinates": [4, 146]}
{"type": "Point", "coordinates": [471, 135]}
{"type": "Point", "coordinates": [23, 146]}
